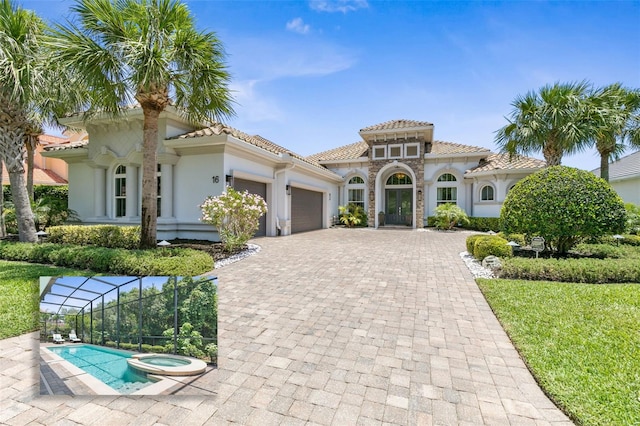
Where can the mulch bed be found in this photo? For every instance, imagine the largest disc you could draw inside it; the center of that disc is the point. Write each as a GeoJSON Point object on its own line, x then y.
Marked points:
{"type": "Point", "coordinates": [213, 249]}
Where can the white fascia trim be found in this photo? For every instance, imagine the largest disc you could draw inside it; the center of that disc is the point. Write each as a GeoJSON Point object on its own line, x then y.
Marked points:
{"type": "Point", "coordinates": [67, 153]}
{"type": "Point", "coordinates": [326, 173]}
{"type": "Point", "coordinates": [348, 161]}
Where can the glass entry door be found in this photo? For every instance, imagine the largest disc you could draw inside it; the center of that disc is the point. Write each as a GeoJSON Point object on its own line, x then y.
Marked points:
{"type": "Point", "coordinates": [399, 207]}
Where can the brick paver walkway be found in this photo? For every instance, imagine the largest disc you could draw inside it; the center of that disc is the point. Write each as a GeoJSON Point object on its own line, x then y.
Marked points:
{"type": "Point", "coordinates": [333, 327]}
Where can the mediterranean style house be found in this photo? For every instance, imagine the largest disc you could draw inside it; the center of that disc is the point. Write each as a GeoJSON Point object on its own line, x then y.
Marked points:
{"type": "Point", "coordinates": [624, 177]}
{"type": "Point", "coordinates": [397, 172]}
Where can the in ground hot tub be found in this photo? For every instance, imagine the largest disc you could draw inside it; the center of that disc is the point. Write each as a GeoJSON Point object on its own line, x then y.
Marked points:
{"type": "Point", "coordinates": [167, 365]}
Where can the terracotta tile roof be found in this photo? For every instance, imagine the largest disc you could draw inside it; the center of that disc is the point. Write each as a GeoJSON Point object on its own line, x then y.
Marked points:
{"type": "Point", "coordinates": [624, 168]}
{"type": "Point", "coordinates": [40, 177]}
{"type": "Point", "coordinates": [503, 162]}
{"type": "Point", "coordinates": [46, 140]}
{"type": "Point", "coordinates": [396, 124]}
{"type": "Point", "coordinates": [255, 140]}
{"type": "Point", "coordinates": [348, 152]}
{"type": "Point", "coordinates": [443, 148]}
{"type": "Point", "coordinates": [66, 145]}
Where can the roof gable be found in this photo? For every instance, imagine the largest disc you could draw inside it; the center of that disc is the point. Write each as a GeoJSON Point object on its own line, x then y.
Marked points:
{"type": "Point", "coordinates": [396, 125]}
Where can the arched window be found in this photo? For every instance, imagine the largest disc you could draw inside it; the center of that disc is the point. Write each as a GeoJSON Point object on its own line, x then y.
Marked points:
{"type": "Point", "coordinates": [447, 177]}
{"type": "Point", "coordinates": [399, 179]}
{"type": "Point", "coordinates": [120, 185]}
{"type": "Point", "coordinates": [448, 192]}
{"type": "Point", "coordinates": [486, 193]}
{"type": "Point", "coordinates": [355, 191]}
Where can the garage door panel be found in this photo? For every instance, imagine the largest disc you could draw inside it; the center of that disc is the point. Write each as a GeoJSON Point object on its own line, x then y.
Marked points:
{"type": "Point", "coordinates": [306, 210]}
{"type": "Point", "coordinates": [258, 188]}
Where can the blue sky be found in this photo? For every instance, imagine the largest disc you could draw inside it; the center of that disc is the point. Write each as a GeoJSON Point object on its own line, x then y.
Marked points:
{"type": "Point", "coordinates": [309, 74]}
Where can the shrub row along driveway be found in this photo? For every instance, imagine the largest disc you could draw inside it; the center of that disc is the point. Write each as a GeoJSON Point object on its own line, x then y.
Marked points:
{"type": "Point", "coordinates": [361, 326]}
{"type": "Point", "coordinates": [339, 326]}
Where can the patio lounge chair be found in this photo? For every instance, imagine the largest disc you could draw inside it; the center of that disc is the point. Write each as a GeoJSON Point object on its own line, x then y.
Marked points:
{"type": "Point", "coordinates": [57, 338]}
{"type": "Point", "coordinates": [73, 338]}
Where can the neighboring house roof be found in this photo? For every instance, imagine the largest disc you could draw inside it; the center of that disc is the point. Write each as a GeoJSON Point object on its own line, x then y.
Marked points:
{"type": "Point", "coordinates": [40, 177]}
{"type": "Point", "coordinates": [396, 124]}
{"type": "Point", "coordinates": [624, 168]}
{"type": "Point", "coordinates": [505, 162]}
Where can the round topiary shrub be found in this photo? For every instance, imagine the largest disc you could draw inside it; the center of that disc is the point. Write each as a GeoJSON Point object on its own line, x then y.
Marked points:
{"type": "Point", "coordinates": [564, 205]}
{"type": "Point", "coordinates": [491, 245]}
{"type": "Point", "coordinates": [471, 242]}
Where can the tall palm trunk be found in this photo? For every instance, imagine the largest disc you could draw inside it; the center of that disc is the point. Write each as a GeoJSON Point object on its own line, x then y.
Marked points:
{"type": "Point", "coordinates": [12, 142]}
{"type": "Point", "coordinates": [31, 140]}
{"type": "Point", "coordinates": [604, 163]}
{"type": "Point", "coordinates": [149, 211]}
{"type": "Point", "coordinates": [552, 154]}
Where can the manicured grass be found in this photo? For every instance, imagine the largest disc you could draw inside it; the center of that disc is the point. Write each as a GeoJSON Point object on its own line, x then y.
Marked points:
{"type": "Point", "coordinates": [581, 341]}
{"type": "Point", "coordinates": [19, 298]}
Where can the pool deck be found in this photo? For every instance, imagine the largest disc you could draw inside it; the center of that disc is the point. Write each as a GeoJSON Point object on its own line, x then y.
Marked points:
{"type": "Point", "coordinates": [332, 327]}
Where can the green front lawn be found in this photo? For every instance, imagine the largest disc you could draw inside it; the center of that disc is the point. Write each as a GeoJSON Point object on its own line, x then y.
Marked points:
{"type": "Point", "coordinates": [581, 341]}
{"type": "Point", "coordinates": [19, 298]}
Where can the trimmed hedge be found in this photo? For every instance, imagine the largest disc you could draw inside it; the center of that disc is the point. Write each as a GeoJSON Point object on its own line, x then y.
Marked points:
{"type": "Point", "coordinates": [110, 236]}
{"type": "Point", "coordinates": [173, 261]}
{"type": "Point", "coordinates": [593, 271]}
{"type": "Point", "coordinates": [483, 224]}
{"type": "Point", "coordinates": [491, 245]}
{"type": "Point", "coordinates": [600, 251]}
{"type": "Point", "coordinates": [471, 242]}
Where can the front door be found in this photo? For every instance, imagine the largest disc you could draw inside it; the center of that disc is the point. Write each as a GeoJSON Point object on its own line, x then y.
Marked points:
{"type": "Point", "coordinates": [399, 207]}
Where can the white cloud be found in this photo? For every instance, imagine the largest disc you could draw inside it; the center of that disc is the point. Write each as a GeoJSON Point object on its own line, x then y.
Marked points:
{"type": "Point", "coordinates": [252, 105]}
{"type": "Point", "coordinates": [343, 6]}
{"type": "Point", "coordinates": [297, 25]}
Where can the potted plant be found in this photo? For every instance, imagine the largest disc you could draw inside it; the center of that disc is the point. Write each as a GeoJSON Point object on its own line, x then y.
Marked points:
{"type": "Point", "coordinates": [381, 218]}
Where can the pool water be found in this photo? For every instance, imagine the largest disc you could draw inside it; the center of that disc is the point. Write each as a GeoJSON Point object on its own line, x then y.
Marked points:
{"type": "Point", "coordinates": [107, 365]}
{"type": "Point", "coordinates": [165, 361]}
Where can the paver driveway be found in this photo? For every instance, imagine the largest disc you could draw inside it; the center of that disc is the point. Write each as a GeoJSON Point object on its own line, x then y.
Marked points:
{"type": "Point", "coordinates": [339, 327]}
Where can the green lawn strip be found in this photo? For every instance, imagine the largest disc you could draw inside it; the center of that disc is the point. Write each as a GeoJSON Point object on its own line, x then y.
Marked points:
{"type": "Point", "coordinates": [19, 298]}
{"type": "Point", "coordinates": [581, 341]}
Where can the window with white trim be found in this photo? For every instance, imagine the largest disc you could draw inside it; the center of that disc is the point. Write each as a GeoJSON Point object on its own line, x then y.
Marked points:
{"type": "Point", "coordinates": [379, 152]}
{"type": "Point", "coordinates": [159, 187]}
{"type": "Point", "coordinates": [411, 150]}
{"type": "Point", "coordinates": [120, 194]}
{"type": "Point", "coordinates": [447, 193]}
{"type": "Point", "coordinates": [486, 193]}
{"type": "Point", "coordinates": [395, 151]}
{"type": "Point", "coordinates": [355, 191]}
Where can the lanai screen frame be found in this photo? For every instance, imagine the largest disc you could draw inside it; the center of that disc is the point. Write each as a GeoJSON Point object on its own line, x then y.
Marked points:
{"type": "Point", "coordinates": [53, 281]}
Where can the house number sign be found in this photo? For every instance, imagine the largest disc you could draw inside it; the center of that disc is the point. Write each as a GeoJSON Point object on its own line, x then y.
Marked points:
{"type": "Point", "coordinates": [537, 245]}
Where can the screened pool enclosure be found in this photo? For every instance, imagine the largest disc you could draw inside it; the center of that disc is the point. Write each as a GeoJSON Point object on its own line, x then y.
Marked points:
{"type": "Point", "coordinates": [146, 314]}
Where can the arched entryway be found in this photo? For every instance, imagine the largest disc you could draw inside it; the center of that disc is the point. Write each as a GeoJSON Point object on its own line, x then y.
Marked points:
{"type": "Point", "coordinates": [398, 199]}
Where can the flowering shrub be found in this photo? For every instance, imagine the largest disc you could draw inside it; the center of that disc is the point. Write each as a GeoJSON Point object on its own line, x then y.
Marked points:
{"type": "Point", "coordinates": [235, 215]}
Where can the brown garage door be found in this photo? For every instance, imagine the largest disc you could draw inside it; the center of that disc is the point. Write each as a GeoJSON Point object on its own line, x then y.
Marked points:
{"type": "Point", "coordinates": [257, 188]}
{"type": "Point", "coordinates": [306, 210]}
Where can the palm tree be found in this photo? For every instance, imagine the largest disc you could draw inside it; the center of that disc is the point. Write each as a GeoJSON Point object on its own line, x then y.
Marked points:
{"type": "Point", "coordinates": [34, 130]}
{"type": "Point", "coordinates": [551, 121]}
{"type": "Point", "coordinates": [3, 227]}
{"type": "Point", "coordinates": [20, 71]}
{"type": "Point", "coordinates": [148, 51]}
{"type": "Point", "coordinates": [614, 116]}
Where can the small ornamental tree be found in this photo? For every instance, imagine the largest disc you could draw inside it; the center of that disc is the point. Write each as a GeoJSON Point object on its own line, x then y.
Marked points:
{"type": "Point", "coordinates": [564, 205]}
{"type": "Point", "coordinates": [236, 216]}
{"type": "Point", "coordinates": [448, 215]}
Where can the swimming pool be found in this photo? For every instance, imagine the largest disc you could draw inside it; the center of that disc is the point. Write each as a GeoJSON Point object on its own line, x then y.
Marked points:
{"type": "Point", "coordinates": [107, 365]}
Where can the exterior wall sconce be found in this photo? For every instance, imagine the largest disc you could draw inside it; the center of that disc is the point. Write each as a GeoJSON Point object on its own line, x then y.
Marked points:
{"type": "Point", "coordinates": [371, 195]}
{"type": "Point", "coordinates": [288, 189]}
{"type": "Point", "coordinates": [229, 180]}
{"type": "Point", "coordinates": [215, 179]}
{"type": "Point", "coordinates": [419, 194]}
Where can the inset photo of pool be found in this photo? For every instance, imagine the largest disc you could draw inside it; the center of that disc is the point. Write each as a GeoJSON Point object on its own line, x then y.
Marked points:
{"type": "Point", "coordinates": [128, 335]}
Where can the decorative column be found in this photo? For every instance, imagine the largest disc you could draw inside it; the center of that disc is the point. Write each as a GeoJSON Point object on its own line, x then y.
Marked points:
{"type": "Point", "coordinates": [99, 192]}
{"type": "Point", "coordinates": [133, 203]}
{"type": "Point", "coordinates": [166, 190]}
